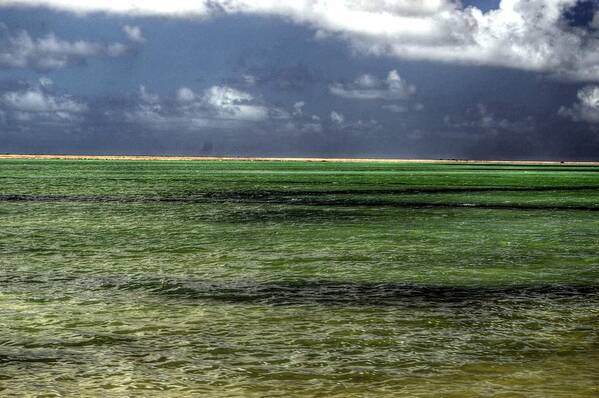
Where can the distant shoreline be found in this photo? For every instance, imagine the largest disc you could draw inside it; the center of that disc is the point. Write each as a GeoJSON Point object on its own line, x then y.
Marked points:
{"type": "Point", "coordinates": [297, 159]}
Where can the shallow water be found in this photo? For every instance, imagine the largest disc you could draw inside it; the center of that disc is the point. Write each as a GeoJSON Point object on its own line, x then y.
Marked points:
{"type": "Point", "coordinates": [267, 295]}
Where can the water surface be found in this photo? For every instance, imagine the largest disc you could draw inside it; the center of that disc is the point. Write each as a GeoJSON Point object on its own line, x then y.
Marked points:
{"type": "Point", "coordinates": [298, 279]}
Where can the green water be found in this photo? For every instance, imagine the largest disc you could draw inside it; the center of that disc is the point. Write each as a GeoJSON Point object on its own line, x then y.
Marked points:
{"type": "Point", "coordinates": [254, 279]}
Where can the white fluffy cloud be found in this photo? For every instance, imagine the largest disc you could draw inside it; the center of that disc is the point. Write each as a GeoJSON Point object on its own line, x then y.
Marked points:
{"type": "Point", "coordinates": [215, 107]}
{"type": "Point", "coordinates": [37, 101]}
{"type": "Point", "coordinates": [147, 97]}
{"type": "Point", "coordinates": [134, 33]}
{"type": "Point", "coordinates": [50, 52]}
{"type": "Point", "coordinates": [185, 94]}
{"type": "Point", "coordinates": [298, 108]}
{"type": "Point", "coordinates": [36, 104]}
{"type": "Point", "coordinates": [229, 103]}
{"type": "Point", "coordinates": [368, 87]}
{"type": "Point", "coordinates": [523, 34]}
{"type": "Point", "coordinates": [45, 82]}
{"type": "Point", "coordinates": [587, 107]}
{"type": "Point", "coordinates": [182, 8]}
{"type": "Point", "coordinates": [337, 118]}
{"type": "Point", "coordinates": [402, 108]}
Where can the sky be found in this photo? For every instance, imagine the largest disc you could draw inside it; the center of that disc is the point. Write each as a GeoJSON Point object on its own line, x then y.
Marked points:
{"type": "Point", "coordinates": [478, 79]}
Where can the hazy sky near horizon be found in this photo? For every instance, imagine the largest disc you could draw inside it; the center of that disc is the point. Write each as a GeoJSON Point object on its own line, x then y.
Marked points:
{"type": "Point", "coordinates": [383, 78]}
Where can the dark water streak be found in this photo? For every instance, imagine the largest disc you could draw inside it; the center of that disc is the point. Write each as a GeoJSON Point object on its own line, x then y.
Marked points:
{"type": "Point", "coordinates": [301, 199]}
{"type": "Point", "coordinates": [321, 292]}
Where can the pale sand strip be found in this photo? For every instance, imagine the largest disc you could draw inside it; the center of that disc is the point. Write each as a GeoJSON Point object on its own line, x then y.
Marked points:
{"type": "Point", "coordinates": [283, 159]}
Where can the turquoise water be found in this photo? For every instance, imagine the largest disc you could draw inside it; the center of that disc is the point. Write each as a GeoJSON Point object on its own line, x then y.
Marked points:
{"type": "Point", "coordinates": [271, 279]}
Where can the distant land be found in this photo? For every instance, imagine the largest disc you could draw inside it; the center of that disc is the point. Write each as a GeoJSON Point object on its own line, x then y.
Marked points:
{"type": "Point", "coordinates": [297, 159]}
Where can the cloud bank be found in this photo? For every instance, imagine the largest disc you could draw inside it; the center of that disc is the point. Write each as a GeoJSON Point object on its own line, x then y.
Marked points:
{"type": "Point", "coordinates": [48, 52]}
{"type": "Point", "coordinates": [40, 104]}
{"type": "Point", "coordinates": [530, 35]}
{"type": "Point", "coordinates": [215, 107]}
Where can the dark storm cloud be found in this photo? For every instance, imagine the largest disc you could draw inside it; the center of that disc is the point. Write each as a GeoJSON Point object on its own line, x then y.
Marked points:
{"type": "Point", "coordinates": [248, 82]}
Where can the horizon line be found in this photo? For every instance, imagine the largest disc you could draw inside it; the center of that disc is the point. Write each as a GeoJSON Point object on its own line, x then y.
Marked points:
{"type": "Point", "coordinates": [295, 159]}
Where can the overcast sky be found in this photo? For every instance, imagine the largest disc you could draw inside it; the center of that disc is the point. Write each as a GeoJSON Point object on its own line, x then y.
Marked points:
{"type": "Point", "coordinates": [382, 78]}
